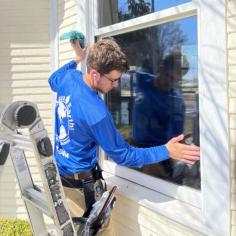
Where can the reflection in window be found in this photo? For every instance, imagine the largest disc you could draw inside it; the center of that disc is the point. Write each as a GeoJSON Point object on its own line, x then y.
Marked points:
{"type": "Point", "coordinates": [158, 98]}
{"type": "Point", "coordinates": [114, 11]}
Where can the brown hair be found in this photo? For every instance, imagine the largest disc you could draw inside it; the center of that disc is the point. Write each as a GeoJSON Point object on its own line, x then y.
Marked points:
{"type": "Point", "coordinates": [176, 62]}
{"type": "Point", "coordinates": [105, 56]}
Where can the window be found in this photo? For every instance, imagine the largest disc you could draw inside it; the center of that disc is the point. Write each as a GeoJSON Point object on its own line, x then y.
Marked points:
{"type": "Point", "coordinates": [158, 99]}
{"type": "Point", "coordinates": [213, 200]}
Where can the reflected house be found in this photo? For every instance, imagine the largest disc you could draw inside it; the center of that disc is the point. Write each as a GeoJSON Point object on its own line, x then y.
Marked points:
{"type": "Point", "coordinates": [150, 105]}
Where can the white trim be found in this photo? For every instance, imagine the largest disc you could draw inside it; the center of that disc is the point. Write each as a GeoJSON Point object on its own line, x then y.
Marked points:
{"type": "Point", "coordinates": [92, 20]}
{"type": "Point", "coordinates": [53, 31]}
{"type": "Point", "coordinates": [213, 103]}
{"type": "Point", "coordinates": [86, 23]}
{"type": "Point", "coordinates": [182, 193]}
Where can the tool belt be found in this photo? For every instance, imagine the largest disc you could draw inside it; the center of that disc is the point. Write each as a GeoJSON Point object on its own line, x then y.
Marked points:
{"type": "Point", "coordinates": [91, 182]}
{"type": "Point", "coordinates": [79, 176]}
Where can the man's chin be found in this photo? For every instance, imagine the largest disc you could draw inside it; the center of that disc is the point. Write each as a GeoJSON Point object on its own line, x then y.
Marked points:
{"type": "Point", "coordinates": [101, 91]}
{"type": "Point", "coordinates": [104, 91]}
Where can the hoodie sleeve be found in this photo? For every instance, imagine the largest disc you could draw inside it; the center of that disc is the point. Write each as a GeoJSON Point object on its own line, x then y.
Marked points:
{"type": "Point", "coordinates": [111, 141]}
{"type": "Point", "coordinates": [57, 77]}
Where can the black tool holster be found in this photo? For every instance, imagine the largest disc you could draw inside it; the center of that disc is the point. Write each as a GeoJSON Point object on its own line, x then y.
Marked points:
{"type": "Point", "coordinates": [93, 188]}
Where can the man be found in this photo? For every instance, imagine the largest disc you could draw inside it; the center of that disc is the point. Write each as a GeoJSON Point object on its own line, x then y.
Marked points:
{"type": "Point", "coordinates": [158, 112]}
{"type": "Point", "coordinates": [83, 122]}
{"type": "Point", "coordinates": [158, 107]}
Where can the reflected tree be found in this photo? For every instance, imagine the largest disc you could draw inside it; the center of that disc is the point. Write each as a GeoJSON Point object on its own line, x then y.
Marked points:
{"type": "Point", "coordinates": [135, 9]}
{"type": "Point", "coordinates": [151, 44]}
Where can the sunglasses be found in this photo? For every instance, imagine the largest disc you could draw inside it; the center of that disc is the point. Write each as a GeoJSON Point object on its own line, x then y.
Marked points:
{"type": "Point", "coordinates": [112, 80]}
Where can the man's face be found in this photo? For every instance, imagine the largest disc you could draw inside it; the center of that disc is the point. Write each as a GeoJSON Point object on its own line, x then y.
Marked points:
{"type": "Point", "coordinates": [106, 82]}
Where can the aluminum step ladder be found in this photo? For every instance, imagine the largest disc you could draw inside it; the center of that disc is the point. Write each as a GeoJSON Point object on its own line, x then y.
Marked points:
{"type": "Point", "coordinates": [50, 201]}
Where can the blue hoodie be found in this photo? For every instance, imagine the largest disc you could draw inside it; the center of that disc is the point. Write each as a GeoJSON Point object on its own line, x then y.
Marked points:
{"type": "Point", "coordinates": [83, 122]}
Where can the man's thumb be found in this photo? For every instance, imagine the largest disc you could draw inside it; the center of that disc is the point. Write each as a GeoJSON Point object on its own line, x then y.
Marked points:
{"type": "Point", "coordinates": [178, 138]}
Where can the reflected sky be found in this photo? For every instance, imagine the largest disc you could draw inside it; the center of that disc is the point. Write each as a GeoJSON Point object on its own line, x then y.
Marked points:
{"type": "Point", "coordinates": [156, 5]}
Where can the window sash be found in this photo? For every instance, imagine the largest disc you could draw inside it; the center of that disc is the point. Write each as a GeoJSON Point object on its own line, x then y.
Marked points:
{"type": "Point", "coordinates": [152, 19]}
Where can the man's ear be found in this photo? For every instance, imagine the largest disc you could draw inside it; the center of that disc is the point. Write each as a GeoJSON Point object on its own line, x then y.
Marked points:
{"type": "Point", "coordinates": [93, 74]}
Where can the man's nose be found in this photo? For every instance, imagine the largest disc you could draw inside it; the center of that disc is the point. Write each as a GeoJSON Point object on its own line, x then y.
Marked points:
{"type": "Point", "coordinates": [115, 84]}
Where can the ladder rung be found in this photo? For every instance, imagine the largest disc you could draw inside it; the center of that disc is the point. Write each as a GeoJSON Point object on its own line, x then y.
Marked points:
{"type": "Point", "coordinates": [38, 200]}
{"type": "Point", "coordinates": [24, 143]}
{"type": "Point", "coordinates": [23, 147]}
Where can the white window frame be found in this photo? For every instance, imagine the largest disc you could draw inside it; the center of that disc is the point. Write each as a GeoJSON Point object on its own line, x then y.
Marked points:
{"type": "Point", "coordinates": [213, 201]}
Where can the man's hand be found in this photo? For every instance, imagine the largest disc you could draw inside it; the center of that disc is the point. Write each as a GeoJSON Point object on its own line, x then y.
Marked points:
{"type": "Point", "coordinates": [182, 152]}
{"type": "Point", "coordinates": [79, 52]}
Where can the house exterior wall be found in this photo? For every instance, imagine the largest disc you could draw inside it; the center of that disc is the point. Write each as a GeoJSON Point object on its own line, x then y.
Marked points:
{"type": "Point", "coordinates": [231, 45]}
{"type": "Point", "coordinates": [25, 67]}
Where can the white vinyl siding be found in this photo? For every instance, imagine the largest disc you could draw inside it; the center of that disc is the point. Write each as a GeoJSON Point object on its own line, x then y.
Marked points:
{"type": "Point", "coordinates": [25, 67]}
{"type": "Point", "coordinates": [130, 218]}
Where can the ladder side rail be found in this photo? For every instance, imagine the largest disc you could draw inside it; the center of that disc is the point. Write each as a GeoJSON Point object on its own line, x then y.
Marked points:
{"type": "Point", "coordinates": [51, 180]}
{"type": "Point", "coordinates": [25, 182]}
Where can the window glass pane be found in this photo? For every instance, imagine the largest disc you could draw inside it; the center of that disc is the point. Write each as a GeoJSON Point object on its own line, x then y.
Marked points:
{"type": "Point", "coordinates": [158, 98]}
{"type": "Point", "coordinates": [114, 11]}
